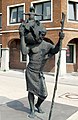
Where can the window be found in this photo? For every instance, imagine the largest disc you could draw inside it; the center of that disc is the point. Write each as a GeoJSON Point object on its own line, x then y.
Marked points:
{"type": "Point", "coordinates": [24, 58]}
{"type": "Point", "coordinates": [16, 14]}
{"type": "Point", "coordinates": [43, 8]}
{"type": "Point", "coordinates": [73, 11]}
{"type": "Point", "coordinates": [0, 20]}
{"type": "Point", "coordinates": [70, 54]}
{"type": "Point", "coordinates": [0, 50]}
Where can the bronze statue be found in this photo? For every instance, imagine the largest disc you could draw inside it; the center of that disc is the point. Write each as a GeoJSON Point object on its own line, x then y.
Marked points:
{"type": "Point", "coordinates": [32, 42]}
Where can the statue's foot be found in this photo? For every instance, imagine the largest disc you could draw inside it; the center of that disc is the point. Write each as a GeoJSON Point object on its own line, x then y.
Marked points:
{"type": "Point", "coordinates": [39, 109]}
{"type": "Point", "coordinates": [31, 115]}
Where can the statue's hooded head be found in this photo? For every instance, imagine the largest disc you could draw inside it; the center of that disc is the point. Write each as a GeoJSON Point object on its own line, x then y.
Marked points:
{"type": "Point", "coordinates": [32, 13]}
{"type": "Point", "coordinates": [37, 31]}
{"type": "Point", "coordinates": [32, 9]}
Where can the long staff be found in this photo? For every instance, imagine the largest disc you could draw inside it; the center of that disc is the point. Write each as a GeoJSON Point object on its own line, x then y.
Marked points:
{"type": "Point", "coordinates": [58, 67]}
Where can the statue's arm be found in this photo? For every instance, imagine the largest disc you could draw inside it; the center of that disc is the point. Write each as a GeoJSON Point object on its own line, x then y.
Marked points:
{"type": "Point", "coordinates": [56, 48]}
{"type": "Point", "coordinates": [23, 47]}
{"type": "Point", "coordinates": [53, 49]}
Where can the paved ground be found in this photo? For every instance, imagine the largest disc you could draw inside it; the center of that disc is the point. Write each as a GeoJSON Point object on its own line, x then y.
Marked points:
{"type": "Point", "coordinates": [14, 103]}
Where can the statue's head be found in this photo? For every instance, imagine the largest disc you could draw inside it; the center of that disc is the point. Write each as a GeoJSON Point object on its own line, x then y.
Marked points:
{"type": "Point", "coordinates": [32, 9]}
{"type": "Point", "coordinates": [30, 40]}
{"type": "Point", "coordinates": [32, 13]}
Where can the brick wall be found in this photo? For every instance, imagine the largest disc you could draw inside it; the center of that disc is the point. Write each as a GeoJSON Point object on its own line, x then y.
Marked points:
{"type": "Point", "coordinates": [0, 6]}
{"type": "Point", "coordinates": [59, 6]}
{"type": "Point", "coordinates": [77, 57]}
{"type": "Point", "coordinates": [0, 39]}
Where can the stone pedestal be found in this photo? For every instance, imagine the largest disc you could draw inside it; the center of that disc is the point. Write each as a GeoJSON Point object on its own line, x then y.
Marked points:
{"type": "Point", "coordinates": [5, 59]}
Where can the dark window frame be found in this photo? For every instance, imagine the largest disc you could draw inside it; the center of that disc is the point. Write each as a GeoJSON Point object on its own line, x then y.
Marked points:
{"type": "Point", "coordinates": [70, 54]}
{"type": "Point", "coordinates": [17, 8]}
{"type": "Point", "coordinates": [24, 58]}
{"type": "Point", "coordinates": [1, 21]}
{"type": "Point", "coordinates": [42, 3]}
{"type": "Point", "coordinates": [0, 50]}
{"type": "Point", "coordinates": [75, 11]}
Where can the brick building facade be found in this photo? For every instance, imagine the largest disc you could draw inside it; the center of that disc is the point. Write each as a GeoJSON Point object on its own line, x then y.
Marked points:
{"type": "Point", "coordinates": [10, 12]}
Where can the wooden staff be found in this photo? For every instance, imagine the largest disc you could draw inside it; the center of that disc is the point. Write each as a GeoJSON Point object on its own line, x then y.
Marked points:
{"type": "Point", "coordinates": [58, 67]}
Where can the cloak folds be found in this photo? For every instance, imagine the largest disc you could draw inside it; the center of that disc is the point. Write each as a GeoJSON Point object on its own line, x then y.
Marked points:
{"type": "Point", "coordinates": [36, 83]}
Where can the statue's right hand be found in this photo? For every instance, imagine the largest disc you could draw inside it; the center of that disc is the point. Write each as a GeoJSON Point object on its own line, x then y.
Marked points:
{"type": "Point", "coordinates": [61, 35]}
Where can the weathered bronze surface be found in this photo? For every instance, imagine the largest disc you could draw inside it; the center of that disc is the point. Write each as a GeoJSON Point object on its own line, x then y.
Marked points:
{"type": "Point", "coordinates": [32, 34]}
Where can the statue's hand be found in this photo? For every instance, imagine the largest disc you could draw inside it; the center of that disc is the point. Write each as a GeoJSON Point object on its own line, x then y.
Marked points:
{"type": "Point", "coordinates": [61, 35]}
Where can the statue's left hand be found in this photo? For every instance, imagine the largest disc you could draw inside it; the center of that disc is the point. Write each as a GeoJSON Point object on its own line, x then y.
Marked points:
{"type": "Point", "coordinates": [61, 35]}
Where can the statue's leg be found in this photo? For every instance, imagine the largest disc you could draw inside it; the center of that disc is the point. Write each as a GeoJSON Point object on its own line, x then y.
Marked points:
{"type": "Point", "coordinates": [31, 102]}
{"type": "Point", "coordinates": [38, 104]}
